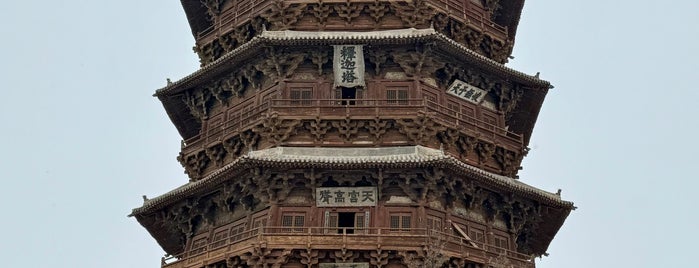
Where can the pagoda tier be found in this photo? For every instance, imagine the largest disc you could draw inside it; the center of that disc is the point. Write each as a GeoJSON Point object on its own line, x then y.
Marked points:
{"type": "Point", "coordinates": [268, 207]}
{"type": "Point", "coordinates": [280, 83]}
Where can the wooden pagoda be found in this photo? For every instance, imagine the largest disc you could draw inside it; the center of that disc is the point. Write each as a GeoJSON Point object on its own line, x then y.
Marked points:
{"type": "Point", "coordinates": [353, 133]}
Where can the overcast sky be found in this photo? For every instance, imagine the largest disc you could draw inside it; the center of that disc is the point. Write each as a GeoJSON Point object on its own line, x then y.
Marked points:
{"type": "Point", "coordinates": [82, 139]}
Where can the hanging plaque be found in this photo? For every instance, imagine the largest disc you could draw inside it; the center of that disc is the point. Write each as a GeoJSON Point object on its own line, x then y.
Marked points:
{"type": "Point", "coordinates": [466, 91]}
{"type": "Point", "coordinates": [348, 66]}
{"type": "Point", "coordinates": [346, 196]}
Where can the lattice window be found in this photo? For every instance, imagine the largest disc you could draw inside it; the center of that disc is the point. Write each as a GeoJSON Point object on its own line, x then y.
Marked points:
{"type": "Point", "coordinates": [468, 113]}
{"type": "Point", "coordinates": [490, 120]}
{"type": "Point", "coordinates": [431, 98]}
{"type": "Point", "coordinates": [287, 220]}
{"type": "Point", "coordinates": [476, 234]}
{"type": "Point", "coordinates": [298, 221]}
{"type": "Point", "coordinates": [198, 245]}
{"type": "Point", "coordinates": [259, 224]}
{"type": "Point", "coordinates": [238, 233]}
{"type": "Point", "coordinates": [434, 224]}
{"type": "Point", "coordinates": [400, 222]}
{"type": "Point", "coordinates": [405, 222]}
{"type": "Point", "coordinates": [452, 108]}
{"type": "Point", "coordinates": [293, 220]}
{"type": "Point", "coordinates": [397, 95]}
{"type": "Point", "coordinates": [359, 222]}
{"type": "Point", "coordinates": [501, 243]}
{"type": "Point", "coordinates": [331, 222]}
{"type": "Point", "coordinates": [301, 96]}
{"type": "Point", "coordinates": [220, 238]}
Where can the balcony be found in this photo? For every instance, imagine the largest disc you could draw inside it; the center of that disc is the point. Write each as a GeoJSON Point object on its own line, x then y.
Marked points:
{"type": "Point", "coordinates": [238, 119]}
{"type": "Point", "coordinates": [332, 238]}
{"type": "Point", "coordinates": [245, 10]}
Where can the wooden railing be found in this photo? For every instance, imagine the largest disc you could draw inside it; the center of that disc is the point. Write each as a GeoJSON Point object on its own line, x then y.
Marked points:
{"type": "Point", "coordinates": [241, 12]}
{"type": "Point", "coordinates": [458, 120]}
{"type": "Point", "coordinates": [249, 116]}
{"type": "Point", "coordinates": [356, 108]}
{"type": "Point", "coordinates": [245, 10]}
{"type": "Point", "coordinates": [352, 238]}
{"type": "Point", "coordinates": [469, 14]}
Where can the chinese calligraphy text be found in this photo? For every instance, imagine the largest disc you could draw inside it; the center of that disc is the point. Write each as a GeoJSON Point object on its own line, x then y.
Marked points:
{"type": "Point", "coordinates": [346, 196]}
{"type": "Point", "coordinates": [348, 64]}
{"type": "Point", "coordinates": [467, 92]}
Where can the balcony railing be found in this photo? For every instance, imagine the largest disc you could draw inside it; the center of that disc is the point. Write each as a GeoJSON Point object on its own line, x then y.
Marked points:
{"type": "Point", "coordinates": [245, 10]}
{"type": "Point", "coordinates": [339, 237]}
{"type": "Point", "coordinates": [470, 14]}
{"type": "Point", "coordinates": [249, 116]}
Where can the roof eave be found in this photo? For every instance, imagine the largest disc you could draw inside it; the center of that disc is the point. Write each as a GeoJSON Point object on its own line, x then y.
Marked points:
{"type": "Point", "coordinates": [551, 224]}
{"type": "Point", "coordinates": [556, 209]}
{"type": "Point", "coordinates": [494, 180]}
{"type": "Point", "coordinates": [167, 241]}
{"type": "Point", "coordinates": [268, 38]}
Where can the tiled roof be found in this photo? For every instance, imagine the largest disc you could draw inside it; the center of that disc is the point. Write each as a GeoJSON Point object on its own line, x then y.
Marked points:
{"type": "Point", "coordinates": [341, 37]}
{"type": "Point", "coordinates": [347, 156]}
{"type": "Point", "coordinates": [384, 157]}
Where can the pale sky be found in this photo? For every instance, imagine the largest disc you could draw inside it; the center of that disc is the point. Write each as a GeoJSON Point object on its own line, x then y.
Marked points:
{"type": "Point", "coordinates": [83, 139]}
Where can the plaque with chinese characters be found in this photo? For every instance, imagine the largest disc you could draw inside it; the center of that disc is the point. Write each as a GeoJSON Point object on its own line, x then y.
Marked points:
{"type": "Point", "coordinates": [344, 265]}
{"type": "Point", "coordinates": [466, 91]}
{"type": "Point", "coordinates": [348, 66]}
{"type": "Point", "coordinates": [346, 196]}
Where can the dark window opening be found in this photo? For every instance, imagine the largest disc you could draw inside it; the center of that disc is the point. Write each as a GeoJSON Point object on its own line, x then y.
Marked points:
{"type": "Point", "coordinates": [349, 94]}
{"type": "Point", "coordinates": [345, 220]}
